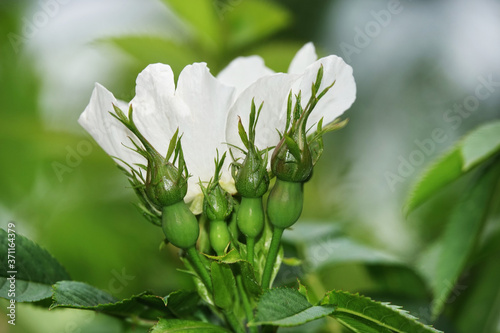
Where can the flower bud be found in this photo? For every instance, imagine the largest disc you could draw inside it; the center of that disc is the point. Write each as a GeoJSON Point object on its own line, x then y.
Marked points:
{"type": "Point", "coordinates": [218, 204]}
{"type": "Point", "coordinates": [180, 225]}
{"type": "Point", "coordinates": [252, 179]}
{"type": "Point", "coordinates": [284, 204]}
{"type": "Point", "coordinates": [291, 160]}
{"type": "Point", "coordinates": [165, 184]}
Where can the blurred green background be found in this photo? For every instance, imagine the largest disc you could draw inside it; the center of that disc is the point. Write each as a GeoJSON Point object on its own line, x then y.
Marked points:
{"type": "Point", "coordinates": [416, 64]}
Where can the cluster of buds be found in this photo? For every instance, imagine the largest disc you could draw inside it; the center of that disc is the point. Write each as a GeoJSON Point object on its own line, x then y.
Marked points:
{"type": "Point", "coordinates": [164, 187]}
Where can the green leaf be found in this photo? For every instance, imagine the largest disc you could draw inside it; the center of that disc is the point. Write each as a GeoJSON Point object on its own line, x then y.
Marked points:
{"type": "Point", "coordinates": [224, 285]}
{"type": "Point", "coordinates": [201, 16]}
{"type": "Point", "coordinates": [472, 150]}
{"type": "Point", "coordinates": [382, 314]}
{"type": "Point", "coordinates": [479, 309]}
{"type": "Point", "coordinates": [246, 24]}
{"type": "Point", "coordinates": [153, 49]}
{"type": "Point", "coordinates": [244, 268]}
{"type": "Point", "coordinates": [461, 234]}
{"type": "Point", "coordinates": [185, 326]}
{"type": "Point", "coordinates": [340, 250]}
{"type": "Point", "coordinates": [481, 144]}
{"type": "Point", "coordinates": [79, 295]}
{"type": "Point", "coordinates": [287, 307]}
{"type": "Point", "coordinates": [359, 325]}
{"type": "Point", "coordinates": [35, 269]}
{"type": "Point", "coordinates": [182, 303]}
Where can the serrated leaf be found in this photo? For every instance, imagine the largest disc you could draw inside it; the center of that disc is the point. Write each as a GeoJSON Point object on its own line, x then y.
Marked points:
{"type": "Point", "coordinates": [79, 295]}
{"type": "Point", "coordinates": [360, 325]}
{"type": "Point", "coordinates": [185, 326]}
{"type": "Point", "coordinates": [382, 314]}
{"type": "Point", "coordinates": [461, 234]}
{"type": "Point", "coordinates": [287, 307]}
{"type": "Point", "coordinates": [36, 270]}
{"type": "Point", "coordinates": [182, 303]}
{"type": "Point", "coordinates": [246, 24]}
{"type": "Point", "coordinates": [471, 151]}
{"type": "Point", "coordinates": [224, 285]}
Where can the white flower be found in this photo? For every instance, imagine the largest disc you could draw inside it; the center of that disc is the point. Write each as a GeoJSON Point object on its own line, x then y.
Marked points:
{"type": "Point", "coordinates": [206, 109]}
{"type": "Point", "coordinates": [273, 90]}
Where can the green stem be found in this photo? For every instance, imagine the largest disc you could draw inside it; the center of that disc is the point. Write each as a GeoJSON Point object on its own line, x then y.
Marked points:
{"type": "Point", "coordinates": [250, 249]}
{"type": "Point", "coordinates": [233, 322]}
{"type": "Point", "coordinates": [246, 302]}
{"type": "Point", "coordinates": [199, 267]}
{"type": "Point", "coordinates": [271, 257]}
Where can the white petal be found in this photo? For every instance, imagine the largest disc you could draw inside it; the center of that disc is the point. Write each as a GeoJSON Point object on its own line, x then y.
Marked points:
{"type": "Point", "coordinates": [304, 57]}
{"type": "Point", "coordinates": [273, 90]}
{"type": "Point", "coordinates": [338, 99]}
{"type": "Point", "coordinates": [203, 127]}
{"type": "Point", "coordinates": [243, 71]}
{"type": "Point", "coordinates": [108, 132]}
{"type": "Point", "coordinates": [155, 109]}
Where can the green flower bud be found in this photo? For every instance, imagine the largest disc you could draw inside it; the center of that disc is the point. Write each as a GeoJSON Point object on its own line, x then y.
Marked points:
{"type": "Point", "coordinates": [218, 204]}
{"type": "Point", "coordinates": [251, 177]}
{"type": "Point", "coordinates": [180, 225]}
{"type": "Point", "coordinates": [251, 217]}
{"type": "Point", "coordinates": [284, 204]}
{"type": "Point", "coordinates": [219, 236]}
{"type": "Point", "coordinates": [165, 184]}
{"type": "Point", "coordinates": [291, 160]}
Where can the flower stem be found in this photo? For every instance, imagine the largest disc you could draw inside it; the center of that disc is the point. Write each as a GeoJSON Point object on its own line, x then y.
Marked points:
{"type": "Point", "coordinates": [246, 302]}
{"type": "Point", "coordinates": [250, 249]}
{"type": "Point", "coordinates": [233, 322]}
{"type": "Point", "coordinates": [271, 257]}
{"type": "Point", "coordinates": [199, 267]}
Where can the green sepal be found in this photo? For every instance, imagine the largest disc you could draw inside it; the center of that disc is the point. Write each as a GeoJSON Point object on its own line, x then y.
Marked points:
{"type": "Point", "coordinates": [250, 176]}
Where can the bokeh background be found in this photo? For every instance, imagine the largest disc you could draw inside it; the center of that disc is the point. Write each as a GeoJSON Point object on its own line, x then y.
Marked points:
{"type": "Point", "coordinates": [416, 63]}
